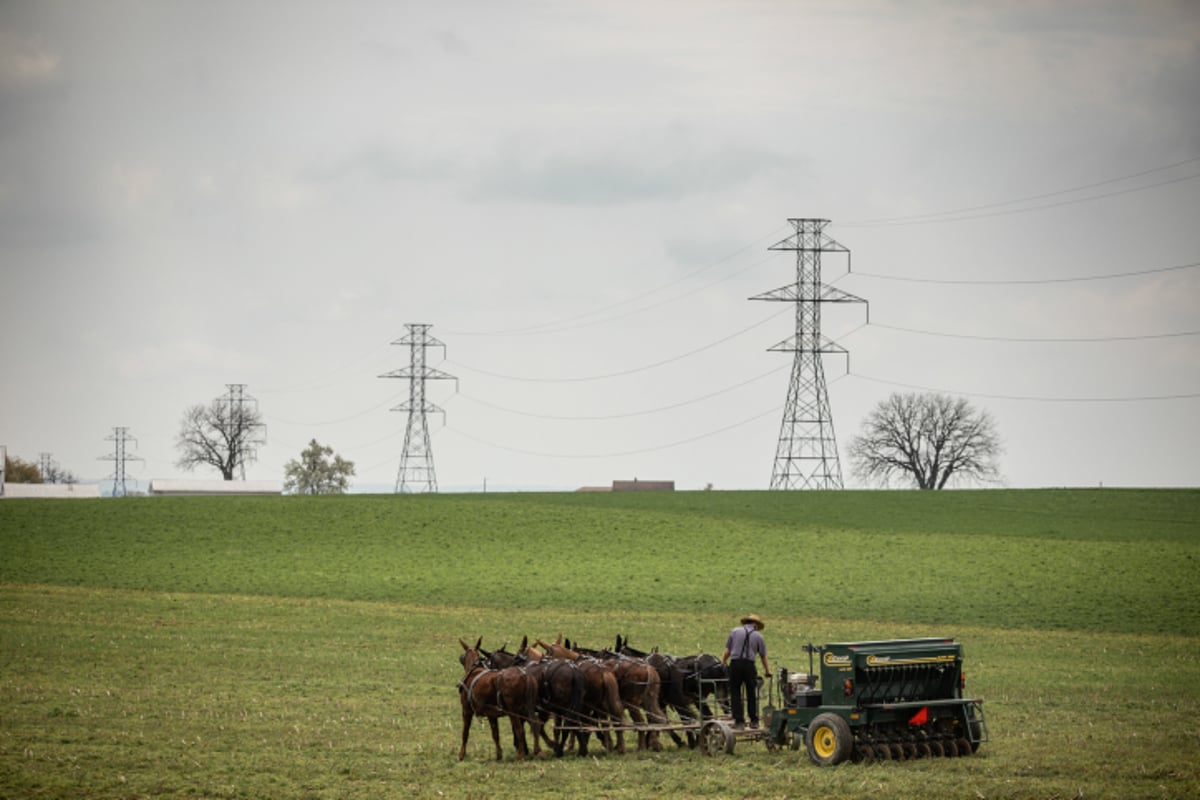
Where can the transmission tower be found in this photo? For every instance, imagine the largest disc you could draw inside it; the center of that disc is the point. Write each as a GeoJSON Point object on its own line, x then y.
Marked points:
{"type": "Point", "coordinates": [416, 472]}
{"type": "Point", "coordinates": [243, 428]}
{"type": "Point", "coordinates": [807, 456]}
{"type": "Point", "coordinates": [121, 438]}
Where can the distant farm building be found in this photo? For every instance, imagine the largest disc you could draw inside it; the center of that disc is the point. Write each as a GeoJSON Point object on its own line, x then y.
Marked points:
{"type": "Point", "coordinates": [643, 486]}
{"type": "Point", "coordinates": [164, 488]}
{"type": "Point", "coordinates": [632, 486]}
{"type": "Point", "coordinates": [70, 490]}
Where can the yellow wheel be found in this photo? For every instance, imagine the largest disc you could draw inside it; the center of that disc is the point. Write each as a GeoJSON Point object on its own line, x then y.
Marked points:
{"type": "Point", "coordinates": [829, 740]}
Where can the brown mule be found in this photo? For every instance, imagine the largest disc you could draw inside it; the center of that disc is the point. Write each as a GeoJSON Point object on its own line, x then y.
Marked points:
{"type": "Point", "coordinates": [639, 686]}
{"type": "Point", "coordinates": [601, 693]}
{"type": "Point", "coordinates": [493, 693]}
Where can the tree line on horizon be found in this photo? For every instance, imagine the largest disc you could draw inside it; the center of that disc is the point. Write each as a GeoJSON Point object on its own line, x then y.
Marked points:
{"type": "Point", "coordinates": [925, 440]}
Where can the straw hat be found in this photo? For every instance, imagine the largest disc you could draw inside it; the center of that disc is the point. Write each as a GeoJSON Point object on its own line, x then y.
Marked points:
{"type": "Point", "coordinates": [757, 620]}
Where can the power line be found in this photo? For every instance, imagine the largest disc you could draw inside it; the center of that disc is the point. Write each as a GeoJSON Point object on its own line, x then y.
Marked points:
{"type": "Point", "coordinates": [1045, 206]}
{"type": "Point", "coordinates": [642, 309]}
{"type": "Point", "coordinates": [623, 373]}
{"type": "Point", "coordinates": [1030, 281]}
{"type": "Point", "coordinates": [668, 446]}
{"type": "Point", "coordinates": [645, 412]}
{"type": "Point", "coordinates": [1040, 340]}
{"type": "Point", "coordinates": [355, 415]}
{"type": "Point", "coordinates": [567, 323]}
{"type": "Point", "coordinates": [953, 214]}
{"type": "Point", "coordinates": [1034, 398]}
{"type": "Point", "coordinates": [326, 379]}
{"type": "Point", "coordinates": [623, 453]}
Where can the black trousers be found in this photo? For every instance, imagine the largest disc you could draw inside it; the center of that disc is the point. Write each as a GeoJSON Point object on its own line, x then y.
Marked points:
{"type": "Point", "coordinates": [743, 675]}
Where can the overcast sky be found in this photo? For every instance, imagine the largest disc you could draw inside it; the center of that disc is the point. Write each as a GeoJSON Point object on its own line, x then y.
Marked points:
{"type": "Point", "coordinates": [579, 197]}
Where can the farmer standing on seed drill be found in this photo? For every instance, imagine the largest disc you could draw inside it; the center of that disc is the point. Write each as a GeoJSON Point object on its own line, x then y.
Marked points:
{"type": "Point", "coordinates": [744, 643]}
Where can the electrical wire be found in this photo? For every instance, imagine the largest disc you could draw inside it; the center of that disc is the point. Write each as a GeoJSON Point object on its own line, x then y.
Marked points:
{"type": "Point", "coordinates": [1040, 340]}
{"type": "Point", "coordinates": [556, 326]}
{"type": "Point", "coordinates": [1033, 398]}
{"type": "Point", "coordinates": [652, 306]}
{"type": "Point", "coordinates": [643, 368]}
{"type": "Point", "coordinates": [645, 412]}
{"type": "Point", "coordinates": [953, 215]}
{"type": "Point", "coordinates": [325, 379]}
{"type": "Point", "coordinates": [1030, 281]}
{"type": "Point", "coordinates": [355, 415]}
{"type": "Point", "coordinates": [619, 454]}
{"type": "Point", "coordinates": [668, 446]}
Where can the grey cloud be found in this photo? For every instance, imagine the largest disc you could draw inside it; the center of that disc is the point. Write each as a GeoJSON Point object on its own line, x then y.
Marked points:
{"type": "Point", "coordinates": [451, 43]}
{"type": "Point", "coordinates": [633, 174]}
{"type": "Point", "coordinates": [382, 161]}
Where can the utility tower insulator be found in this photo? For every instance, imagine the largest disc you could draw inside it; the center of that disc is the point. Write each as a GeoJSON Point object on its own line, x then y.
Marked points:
{"type": "Point", "coordinates": [807, 455]}
{"type": "Point", "coordinates": [121, 439]}
{"type": "Point", "coordinates": [416, 473]}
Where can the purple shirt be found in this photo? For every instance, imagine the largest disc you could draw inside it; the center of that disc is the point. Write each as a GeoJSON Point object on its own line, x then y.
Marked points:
{"type": "Point", "coordinates": [746, 642]}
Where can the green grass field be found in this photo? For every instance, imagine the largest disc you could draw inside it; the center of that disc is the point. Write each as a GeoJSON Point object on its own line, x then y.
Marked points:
{"type": "Point", "coordinates": [307, 647]}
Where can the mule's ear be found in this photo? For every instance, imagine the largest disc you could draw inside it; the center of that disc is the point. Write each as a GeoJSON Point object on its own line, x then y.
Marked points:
{"type": "Point", "coordinates": [465, 646]}
{"type": "Point", "coordinates": [524, 643]}
{"type": "Point", "coordinates": [559, 639]}
{"type": "Point", "coordinates": [478, 642]}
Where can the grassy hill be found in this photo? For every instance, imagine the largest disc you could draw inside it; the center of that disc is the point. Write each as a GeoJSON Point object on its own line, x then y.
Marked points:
{"type": "Point", "coordinates": [1054, 559]}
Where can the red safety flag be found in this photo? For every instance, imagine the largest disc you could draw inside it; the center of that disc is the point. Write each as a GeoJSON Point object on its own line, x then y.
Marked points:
{"type": "Point", "coordinates": [921, 717]}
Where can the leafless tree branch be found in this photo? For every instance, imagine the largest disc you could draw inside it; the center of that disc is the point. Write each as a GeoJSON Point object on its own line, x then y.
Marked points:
{"type": "Point", "coordinates": [929, 439]}
{"type": "Point", "coordinates": [221, 435]}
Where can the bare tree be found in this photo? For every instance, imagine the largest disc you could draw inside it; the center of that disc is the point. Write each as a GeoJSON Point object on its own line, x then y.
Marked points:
{"type": "Point", "coordinates": [314, 473]}
{"type": "Point", "coordinates": [222, 434]}
{"type": "Point", "coordinates": [53, 473]}
{"type": "Point", "coordinates": [929, 439]}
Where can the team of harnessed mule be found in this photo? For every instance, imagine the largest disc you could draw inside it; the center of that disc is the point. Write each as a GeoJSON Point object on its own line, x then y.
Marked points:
{"type": "Point", "coordinates": [587, 692]}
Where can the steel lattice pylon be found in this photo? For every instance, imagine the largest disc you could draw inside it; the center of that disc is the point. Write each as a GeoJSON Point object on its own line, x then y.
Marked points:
{"type": "Point", "coordinates": [416, 473]}
{"type": "Point", "coordinates": [120, 439]}
{"type": "Point", "coordinates": [239, 415]}
{"type": "Point", "coordinates": [807, 456]}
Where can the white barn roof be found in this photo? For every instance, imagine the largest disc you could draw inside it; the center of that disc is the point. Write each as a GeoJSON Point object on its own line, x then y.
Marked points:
{"type": "Point", "coordinates": [75, 490]}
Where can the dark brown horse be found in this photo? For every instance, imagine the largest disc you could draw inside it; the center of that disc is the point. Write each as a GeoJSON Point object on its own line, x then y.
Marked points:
{"type": "Point", "coordinates": [563, 692]}
{"type": "Point", "coordinates": [690, 682]}
{"type": "Point", "coordinates": [560, 689]}
{"type": "Point", "coordinates": [702, 676]}
{"type": "Point", "coordinates": [639, 685]}
{"type": "Point", "coordinates": [493, 693]}
{"type": "Point", "coordinates": [601, 693]}
{"type": "Point", "coordinates": [670, 686]}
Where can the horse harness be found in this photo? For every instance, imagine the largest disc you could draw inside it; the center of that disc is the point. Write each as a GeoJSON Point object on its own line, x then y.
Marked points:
{"type": "Point", "coordinates": [468, 682]}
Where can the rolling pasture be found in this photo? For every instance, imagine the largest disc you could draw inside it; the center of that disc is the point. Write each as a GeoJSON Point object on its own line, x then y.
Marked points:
{"type": "Point", "coordinates": [295, 647]}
